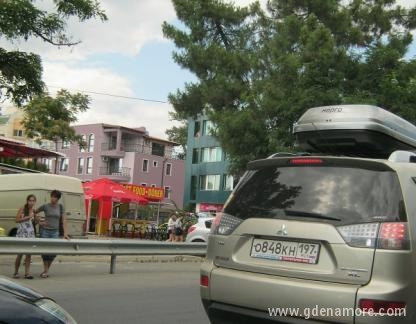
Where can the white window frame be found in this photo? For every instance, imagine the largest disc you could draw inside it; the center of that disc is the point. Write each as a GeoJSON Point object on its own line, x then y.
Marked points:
{"type": "Point", "coordinates": [89, 165]}
{"type": "Point", "coordinates": [84, 140]}
{"type": "Point", "coordinates": [211, 154]}
{"type": "Point", "coordinates": [63, 165]}
{"type": "Point", "coordinates": [168, 170]}
{"type": "Point", "coordinates": [207, 127]}
{"type": "Point", "coordinates": [80, 165]}
{"type": "Point", "coordinates": [209, 182]}
{"type": "Point", "coordinates": [228, 182]}
{"type": "Point", "coordinates": [65, 145]}
{"type": "Point", "coordinates": [145, 163]}
{"type": "Point", "coordinates": [91, 142]}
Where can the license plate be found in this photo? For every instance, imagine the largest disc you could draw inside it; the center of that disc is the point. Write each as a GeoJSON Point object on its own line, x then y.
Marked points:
{"type": "Point", "coordinates": [290, 251]}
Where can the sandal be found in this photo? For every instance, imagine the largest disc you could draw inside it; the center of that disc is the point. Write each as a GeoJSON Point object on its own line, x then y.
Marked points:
{"type": "Point", "coordinates": [44, 275]}
{"type": "Point", "coordinates": [28, 276]}
{"type": "Point", "coordinates": [16, 276]}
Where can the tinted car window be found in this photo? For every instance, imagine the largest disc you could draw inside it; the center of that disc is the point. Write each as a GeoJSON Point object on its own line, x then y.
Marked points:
{"type": "Point", "coordinates": [339, 195]}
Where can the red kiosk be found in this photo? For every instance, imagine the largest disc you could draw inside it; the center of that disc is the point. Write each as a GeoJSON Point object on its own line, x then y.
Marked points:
{"type": "Point", "coordinates": [103, 193]}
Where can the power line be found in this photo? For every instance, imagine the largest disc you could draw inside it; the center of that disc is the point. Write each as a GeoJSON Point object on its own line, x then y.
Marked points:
{"type": "Point", "coordinates": [112, 95]}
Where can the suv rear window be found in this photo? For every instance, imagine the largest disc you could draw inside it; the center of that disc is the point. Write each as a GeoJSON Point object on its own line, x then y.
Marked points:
{"type": "Point", "coordinates": [333, 194]}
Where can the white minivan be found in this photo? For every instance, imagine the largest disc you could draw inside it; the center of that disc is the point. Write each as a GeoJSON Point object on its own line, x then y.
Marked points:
{"type": "Point", "coordinates": [14, 188]}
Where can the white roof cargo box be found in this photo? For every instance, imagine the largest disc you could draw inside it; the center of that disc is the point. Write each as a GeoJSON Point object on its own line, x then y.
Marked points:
{"type": "Point", "coordinates": [353, 130]}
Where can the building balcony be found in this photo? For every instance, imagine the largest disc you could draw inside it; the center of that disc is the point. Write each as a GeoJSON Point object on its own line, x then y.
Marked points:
{"type": "Point", "coordinates": [116, 174]}
{"type": "Point", "coordinates": [109, 149]}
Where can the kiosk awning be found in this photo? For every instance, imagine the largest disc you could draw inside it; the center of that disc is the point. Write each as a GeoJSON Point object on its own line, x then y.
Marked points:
{"type": "Point", "coordinates": [15, 149]}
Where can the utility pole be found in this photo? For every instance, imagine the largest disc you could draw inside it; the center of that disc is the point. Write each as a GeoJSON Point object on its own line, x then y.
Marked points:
{"type": "Point", "coordinates": [161, 185]}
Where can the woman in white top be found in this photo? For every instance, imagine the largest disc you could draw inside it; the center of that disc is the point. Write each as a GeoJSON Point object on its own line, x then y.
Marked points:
{"type": "Point", "coordinates": [171, 228]}
{"type": "Point", "coordinates": [25, 228]}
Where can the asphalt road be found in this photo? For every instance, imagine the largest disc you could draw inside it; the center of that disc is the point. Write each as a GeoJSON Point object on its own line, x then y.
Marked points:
{"type": "Point", "coordinates": [143, 290]}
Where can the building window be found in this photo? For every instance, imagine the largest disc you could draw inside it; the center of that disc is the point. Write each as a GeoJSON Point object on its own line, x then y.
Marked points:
{"type": "Point", "coordinates": [158, 149]}
{"type": "Point", "coordinates": [91, 140]}
{"type": "Point", "coordinates": [144, 184]}
{"type": "Point", "coordinates": [195, 154]}
{"type": "Point", "coordinates": [155, 164]}
{"type": "Point", "coordinates": [209, 182]}
{"type": "Point", "coordinates": [167, 192]}
{"type": "Point", "coordinates": [18, 132]}
{"type": "Point", "coordinates": [49, 163]}
{"type": "Point", "coordinates": [63, 167]}
{"type": "Point", "coordinates": [197, 129]}
{"type": "Point", "coordinates": [65, 145]}
{"type": "Point", "coordinates": [80, 167]}
{"type": "Point", "coordinates": [194, 187]}
{"type": "Point", "coordinates": [89, 166]}
{"type": "Point", "coordinates": [211, 154]}
{"type": "Point", "coordinates": [84, 141]}
{"type": "Point", "coordinates": [168, 169]}
{"type": "Point", "coordinates": [228, 182]}
{"type": "Point", "coordinates": [207, 127]}
{"type": "Point", "coordinates": [145, 165]}
{"type": "Point", "coordinates": [153, 185]}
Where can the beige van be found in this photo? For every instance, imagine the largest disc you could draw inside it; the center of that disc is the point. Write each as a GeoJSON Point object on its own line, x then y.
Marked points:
{"type": "Point", "coordinates": [14, 188]}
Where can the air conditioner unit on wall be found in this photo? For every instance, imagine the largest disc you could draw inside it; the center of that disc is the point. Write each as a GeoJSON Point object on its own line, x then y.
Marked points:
{"type": "Point", "coordinates": [104, 158]}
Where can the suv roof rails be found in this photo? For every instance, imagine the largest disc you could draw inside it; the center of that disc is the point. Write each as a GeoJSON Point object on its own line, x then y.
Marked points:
{"type": "Point", "coordinates": [403, 156]}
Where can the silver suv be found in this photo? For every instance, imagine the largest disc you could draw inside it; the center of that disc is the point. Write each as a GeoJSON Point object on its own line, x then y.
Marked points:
{"type": "Point", "coordinates": [315, 239]}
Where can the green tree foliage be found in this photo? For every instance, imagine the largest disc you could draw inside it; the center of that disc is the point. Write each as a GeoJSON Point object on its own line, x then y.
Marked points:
{"type": "Point", "coordinates": [20, 72]}
{"type": "Point", "coordinates": [27, 164]}
{"type": "Point", "coordinates": [258, 71]}
{"type": "Point", "coordinates": [178, 134]}
{"type": "Point", "coordinates": [49, 118]}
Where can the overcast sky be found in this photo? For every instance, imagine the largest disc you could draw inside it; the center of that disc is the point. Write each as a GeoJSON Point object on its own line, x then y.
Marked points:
{"type": "Point", "coordinates": [124, 56]}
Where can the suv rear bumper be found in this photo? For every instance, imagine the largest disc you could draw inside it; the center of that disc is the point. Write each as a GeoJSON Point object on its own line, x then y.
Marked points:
{"type": "Point", "coordinates": [220, 313]}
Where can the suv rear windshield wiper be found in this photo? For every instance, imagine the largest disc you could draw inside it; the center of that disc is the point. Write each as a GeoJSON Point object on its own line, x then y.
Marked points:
{"type": "Point", "coordinates": [300, 213]}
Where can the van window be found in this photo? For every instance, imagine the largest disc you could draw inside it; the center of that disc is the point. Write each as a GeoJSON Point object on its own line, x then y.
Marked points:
{"type": "Point", "coordinates": [337, 195]}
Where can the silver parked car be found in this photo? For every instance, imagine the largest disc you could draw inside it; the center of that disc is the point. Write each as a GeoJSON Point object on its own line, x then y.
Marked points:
{"type": "Point", "coordinates": [199, 232]}
{"type": "Point", "coordinates": [316, 239]}
{"type": "Point", "coordinates": [326, 236]}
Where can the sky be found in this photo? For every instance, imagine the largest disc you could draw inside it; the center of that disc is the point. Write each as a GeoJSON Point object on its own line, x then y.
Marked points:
{"type": "Point", "coordinates": [126, 56]}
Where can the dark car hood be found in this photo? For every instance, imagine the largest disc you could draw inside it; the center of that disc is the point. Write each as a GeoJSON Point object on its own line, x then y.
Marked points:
{"type": "Point", "coordinates": [18, 289]}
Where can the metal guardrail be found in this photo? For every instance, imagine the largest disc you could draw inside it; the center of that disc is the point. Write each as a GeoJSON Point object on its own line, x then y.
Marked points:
{"type": "Point", "coordinates": [11, 245]}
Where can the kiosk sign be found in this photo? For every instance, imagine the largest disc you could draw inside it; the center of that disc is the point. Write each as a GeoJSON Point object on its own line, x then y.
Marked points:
{"type": "Point", "coordinates": [151, 193]}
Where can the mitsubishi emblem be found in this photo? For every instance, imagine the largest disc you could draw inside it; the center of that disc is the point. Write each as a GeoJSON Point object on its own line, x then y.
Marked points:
{"type": "Point", "coordinates": [282, 231]}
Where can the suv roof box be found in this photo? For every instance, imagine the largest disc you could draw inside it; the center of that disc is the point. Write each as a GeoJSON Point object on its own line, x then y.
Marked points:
{"type": "Point", "coordinates": [353, 130]}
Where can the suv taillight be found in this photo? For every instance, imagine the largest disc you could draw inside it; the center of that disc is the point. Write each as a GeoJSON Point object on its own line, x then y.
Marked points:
{"type": "Point", "coordinates": [393, 236]}
{"type": "Point", "coordinates": [359, 235]}
{"type": "Point", "coordinates": [191, 229]}
{"type": "Point", "coordinates": [393, 308]}
{"type": "Point", "coordinates": [388, 236]}
{"type": "Point", "coordinates": [224, 224]}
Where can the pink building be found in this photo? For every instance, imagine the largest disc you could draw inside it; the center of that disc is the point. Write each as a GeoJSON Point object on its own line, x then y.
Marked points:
{"type": "Point", "coordinates": [125, 155]}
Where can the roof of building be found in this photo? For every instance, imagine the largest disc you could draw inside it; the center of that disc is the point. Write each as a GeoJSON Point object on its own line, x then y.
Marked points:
{"type": "Point", "coordinates": [141, 130]}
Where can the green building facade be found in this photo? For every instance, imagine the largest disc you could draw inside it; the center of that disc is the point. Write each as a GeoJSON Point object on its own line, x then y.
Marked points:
{"type": "Point", "coordinates": [207, 183]}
